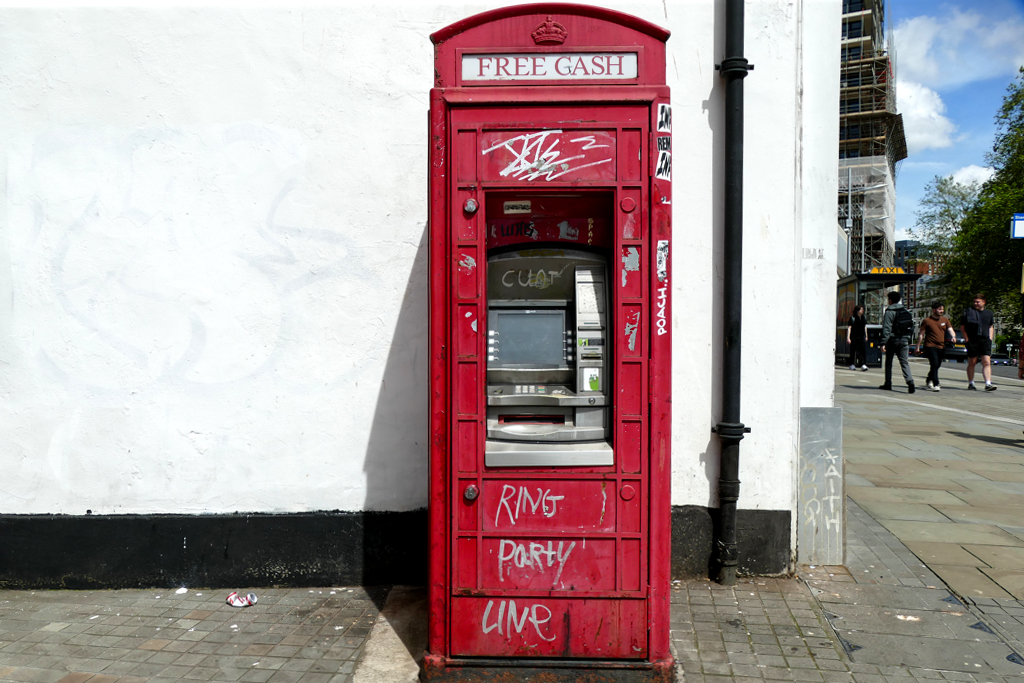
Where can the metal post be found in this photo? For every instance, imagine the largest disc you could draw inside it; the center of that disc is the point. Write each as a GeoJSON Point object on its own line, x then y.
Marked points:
{"type": "Point", "coordinates": [730, 430]}
{"type": "Point", "coordinates": [849, 220]}
{"type": "Point", "coordinates": [862, 252]}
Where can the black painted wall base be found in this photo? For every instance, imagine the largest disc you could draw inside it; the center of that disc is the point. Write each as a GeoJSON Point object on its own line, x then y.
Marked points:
{"type": "Point", "coordinates": [126, 551]}
{"type": "Point", "coordinates": [762, 537]}
{"type": "Point", "coordinates": [305, 549]}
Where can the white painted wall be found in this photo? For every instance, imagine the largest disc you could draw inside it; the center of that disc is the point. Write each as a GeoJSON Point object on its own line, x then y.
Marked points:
{"type": "Point", "coordinates": [791, 139]}
{"type": "Point", "coordinates": [212, 256]}
{"type": "Point", "coordinates": [819, 174]}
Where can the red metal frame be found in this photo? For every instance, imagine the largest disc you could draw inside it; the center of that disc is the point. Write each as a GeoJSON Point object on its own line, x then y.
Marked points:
{"type": "Point", "coordinates": [637, 526]}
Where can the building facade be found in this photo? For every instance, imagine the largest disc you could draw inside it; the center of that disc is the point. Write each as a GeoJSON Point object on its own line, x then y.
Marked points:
{"type": "Point", "coordinates": [214, 287]}
{"type": "Point", "coordinates": [871, 142]}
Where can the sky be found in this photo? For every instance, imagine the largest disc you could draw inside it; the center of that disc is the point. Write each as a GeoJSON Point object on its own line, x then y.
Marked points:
{"type": "Point", "coordinates": [954, 61]}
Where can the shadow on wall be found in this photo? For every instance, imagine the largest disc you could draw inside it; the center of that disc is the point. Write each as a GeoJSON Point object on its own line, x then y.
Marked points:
{"type": "Point", "coordinates": [394, 538]}
{"type": "Point", "coordinates": [714, 109]}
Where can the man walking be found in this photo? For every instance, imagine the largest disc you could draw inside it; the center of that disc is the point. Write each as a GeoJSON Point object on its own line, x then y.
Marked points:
{"type": "Point", "coordinates": [897, 331]}
{"type": "Point", "coordinates": [935, 330]}
{"type": "Point", "coordinates": [857, 337]}
{"type": "Point", "coordinates": [976, 326]}
{"type": "Point", "coordinates": [1020, 358]}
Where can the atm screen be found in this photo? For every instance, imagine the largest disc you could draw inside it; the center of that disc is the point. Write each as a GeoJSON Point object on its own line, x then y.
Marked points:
{"type": "Point", "coordinates": [531, 338]}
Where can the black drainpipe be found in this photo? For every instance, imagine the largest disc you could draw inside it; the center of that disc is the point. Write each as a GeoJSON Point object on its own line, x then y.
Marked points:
{"type": "Point", "coordinates": [730, 430]}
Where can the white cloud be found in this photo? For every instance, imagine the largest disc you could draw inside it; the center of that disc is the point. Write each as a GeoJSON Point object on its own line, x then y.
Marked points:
{"type": "Point", "coordinates": [973, 174]}
{"type": "Point", "coordinates": [957, 47]}
{"type": "Point", "coordinates": [923, 117]}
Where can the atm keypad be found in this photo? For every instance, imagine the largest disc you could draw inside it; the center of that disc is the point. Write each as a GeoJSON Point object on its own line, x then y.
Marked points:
{"type": "Point", "coordinates": [544, 389]}
{"type": "Point", "coordinates": [531, 389]}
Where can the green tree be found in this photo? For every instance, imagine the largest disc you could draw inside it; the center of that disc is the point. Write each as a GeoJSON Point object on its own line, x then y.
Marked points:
{"type": "Point", "coordinates": [940, 216]}
{"type": "Point", "coordinates": [983, 257]}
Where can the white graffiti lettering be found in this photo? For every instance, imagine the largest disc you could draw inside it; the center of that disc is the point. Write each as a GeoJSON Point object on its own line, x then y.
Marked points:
{"type": "Point", "coordinates": [823, 506]}
{"type": "Point", "coordinates": [535, 155]}
{"type": "Point", "coordinates": [662, 320]}
{"type": "Point", "coordinates": [541, 279]}
{"type": "Point", "coordinates": [512, 619]}
{"type": "Point", "coordinates": [533, 556]}
{"type": "Point", "coordinates": [545, 502]}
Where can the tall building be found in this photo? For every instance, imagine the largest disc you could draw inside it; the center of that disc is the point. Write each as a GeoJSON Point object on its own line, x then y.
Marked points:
{"type": "Point", "coordinates": [871, 139]}
{"type": "Point", "coordinates": [917, 294]}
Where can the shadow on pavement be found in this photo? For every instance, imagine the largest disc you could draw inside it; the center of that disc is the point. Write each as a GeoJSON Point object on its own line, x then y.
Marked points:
{"type": "Point", "coordinates": [999, 441]}
{"type": "Point", "coordinates": [398, 639]}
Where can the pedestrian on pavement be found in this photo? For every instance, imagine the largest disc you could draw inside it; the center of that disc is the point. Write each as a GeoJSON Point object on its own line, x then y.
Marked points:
{"type": "Point", "coordinates": [935, 331]}
{"type": "Point", "coordinates": [1020, 358]}
{"type": "Point", "coordinates": [978, 330]}
{"type": "Point", "coordinates": [857, 338]}
{"type": "Point", "coordinates": [897, 332]}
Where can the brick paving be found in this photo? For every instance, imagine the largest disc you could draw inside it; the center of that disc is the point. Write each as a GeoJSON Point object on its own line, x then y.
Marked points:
{"type": "Point", "coordinates": [763, 629]}
{"type": "Point", "coordinates": [158, 636]}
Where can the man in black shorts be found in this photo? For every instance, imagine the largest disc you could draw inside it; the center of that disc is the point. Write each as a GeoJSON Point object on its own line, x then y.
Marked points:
{"type": "Point", "coordinates": [976, 326]}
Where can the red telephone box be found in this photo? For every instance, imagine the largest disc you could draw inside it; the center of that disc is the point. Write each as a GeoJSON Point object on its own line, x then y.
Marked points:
{"type": "Point", "coordinates": [550, 345]}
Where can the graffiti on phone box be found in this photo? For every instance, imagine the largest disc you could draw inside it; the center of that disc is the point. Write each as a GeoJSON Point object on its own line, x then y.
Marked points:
{"type": "Point", "coordinates": [535, 155]}
{"type": "Point", "coordinates": [540, 279]}
{"type": "Point", "coordinates": [545, 502]}
{"type": "Point", "coordinates": [514, 229]}
{"type": "Point", "coordinates": [662, 303]}
{"type": "Point", "coordinates": [512, 619]}
{"type": "Point", "coordinates": [533, 556]}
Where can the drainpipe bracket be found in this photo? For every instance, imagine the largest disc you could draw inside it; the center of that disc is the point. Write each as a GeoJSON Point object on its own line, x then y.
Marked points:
{"type": "Point", "coordinates": [728, 554]}
{"type": "Point", "coordinates": [730, 431]}
{"type": "Point", "coordinates": [734, 66]}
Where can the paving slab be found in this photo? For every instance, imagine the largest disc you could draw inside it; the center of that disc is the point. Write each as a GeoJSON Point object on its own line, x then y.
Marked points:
{"type": "Point", "coordinates": [980, 467]}
{"type": "Point", "coordinates": [930, 653]}
{"type": "Point", "coordinates": [936, 482]}
{"type": "Point", "coordinates": [949, 553]}
{"type": "Point", "coordinates": [997, 556]}
{"type": "Point", "coordinates": [857, 480]}
{"type": "Point", "coordinates": [995, 486]}
{"type": "Point", "coordinates": [1007, 515]}
{"type": "Point", "coordinates": [895, 621]}
{"type": "Point", "coordinates": [895, 596]}
{"type": "Point", "coordinates": [949, 532]}
{"type": "Point", "coordinates": [903, 495]}
{"type": "Point", "coordinates": [969, 581]}
{"type": "Point", "coordinates": [1010, 580]}
{"type": "Point", "coordinates": [913, 512]}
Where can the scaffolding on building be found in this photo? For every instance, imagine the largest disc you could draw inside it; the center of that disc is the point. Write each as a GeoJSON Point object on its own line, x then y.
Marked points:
{"type": "Point", "coordinates": [872, 141]}
{"type": "Point", "coordinates": [866, 207]}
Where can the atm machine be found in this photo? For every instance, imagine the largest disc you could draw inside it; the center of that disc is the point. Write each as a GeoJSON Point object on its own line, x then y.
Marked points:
{"type": "Point", "coordinates": [550, 348]}
{"type": "Point", "coordinates": [548, 352]}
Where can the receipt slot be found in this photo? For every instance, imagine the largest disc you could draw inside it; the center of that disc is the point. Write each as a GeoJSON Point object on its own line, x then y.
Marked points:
{"type": "Point", "coordinates": [550, 347]}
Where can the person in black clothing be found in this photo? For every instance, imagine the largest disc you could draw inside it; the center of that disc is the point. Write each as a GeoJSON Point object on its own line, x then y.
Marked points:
{"type": "Point", "coordinates": [857, 337]}
{"type": "Point", "coordinates": [977, 328]}
{"type": "Point", "coordinates": [897, 341]}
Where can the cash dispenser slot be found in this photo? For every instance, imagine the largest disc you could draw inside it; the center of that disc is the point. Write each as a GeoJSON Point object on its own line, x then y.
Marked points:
{"type": "Point", "coordinates": [532, 419]}
{"type": "Point", "coordinates": [548, 398]}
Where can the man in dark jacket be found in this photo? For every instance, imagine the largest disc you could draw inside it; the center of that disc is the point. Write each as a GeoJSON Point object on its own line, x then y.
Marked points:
{"type": "Point", "coordinates": [896, 342]}
{"type": "Point", "coordinates": [978, 332]}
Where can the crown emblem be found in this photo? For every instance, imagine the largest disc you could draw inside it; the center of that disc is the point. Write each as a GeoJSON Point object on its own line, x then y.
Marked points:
{"type": "Point", "coordinates": [549, 32]}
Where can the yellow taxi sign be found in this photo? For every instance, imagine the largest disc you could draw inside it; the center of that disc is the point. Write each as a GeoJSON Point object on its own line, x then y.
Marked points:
{"type": "Point", "coordinates": [894, 270]}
